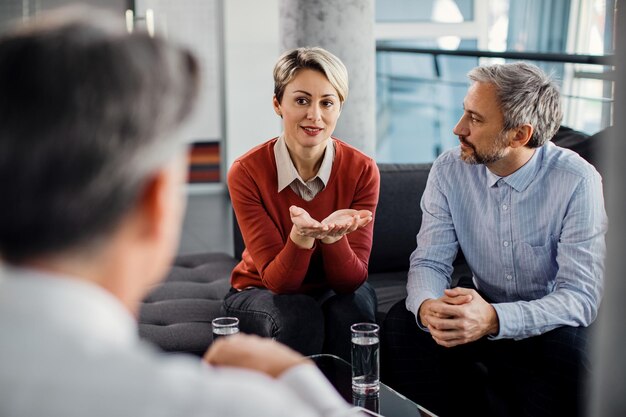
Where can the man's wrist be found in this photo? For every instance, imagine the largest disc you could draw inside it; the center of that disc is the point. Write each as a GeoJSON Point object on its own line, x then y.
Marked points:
{"type": "Point", "coordinates": [420, 321]}
{"type": "Point", "coordinates": [494, 322]}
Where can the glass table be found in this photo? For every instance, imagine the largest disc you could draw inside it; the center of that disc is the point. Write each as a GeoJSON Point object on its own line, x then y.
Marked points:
{"type": "Point", "coordinates": [387, 403]}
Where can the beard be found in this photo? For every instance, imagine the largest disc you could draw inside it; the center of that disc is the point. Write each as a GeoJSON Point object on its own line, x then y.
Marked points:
{"type": "Point", "coordinates": [488, 156]}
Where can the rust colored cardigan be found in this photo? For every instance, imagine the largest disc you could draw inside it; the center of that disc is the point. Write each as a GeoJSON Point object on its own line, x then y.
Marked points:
{"type": "Point", "coordinates": [271, 259]}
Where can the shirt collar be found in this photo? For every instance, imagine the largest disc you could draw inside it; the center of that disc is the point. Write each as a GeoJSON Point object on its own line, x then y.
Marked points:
{"type": "Point", "coordinates": [287, 171]}
{"type": "Point", "coordinates": [520, 179]}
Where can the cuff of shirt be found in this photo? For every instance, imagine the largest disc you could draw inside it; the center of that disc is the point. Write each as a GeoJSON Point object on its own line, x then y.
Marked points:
{"type": "Point", "coordinates": [413, 305]}
{"type": "Point", "coordinates": [509, 320]}
{"type": "Point", "coordinates": [308, 382]}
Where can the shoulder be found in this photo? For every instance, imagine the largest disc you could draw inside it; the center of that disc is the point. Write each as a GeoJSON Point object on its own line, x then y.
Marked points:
{"type": "Point", "coordinates": [259, 153]}
{"type": "Point", "coordinates": [450, 156]}
{"type": "Point", "coordinates": [348, 152]}
{"type": "Point", "coordinates": [350, 159]}
{"type": "Point", "coordinates": [567, 163]}
{"type": "Point", "coordinates": [450, 164]}
{"type": "Point", "coordinates": [254, 162]}
{"type": "Point", "coordinates": [355, 167]}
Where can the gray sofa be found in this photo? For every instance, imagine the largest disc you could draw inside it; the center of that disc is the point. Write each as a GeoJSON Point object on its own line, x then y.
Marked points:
{"type": "Point", "coordinates": [177, 314]}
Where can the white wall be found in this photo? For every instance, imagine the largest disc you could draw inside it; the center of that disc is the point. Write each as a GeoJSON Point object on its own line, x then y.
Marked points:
{"type": "Point", "coordinates": [251, 47]}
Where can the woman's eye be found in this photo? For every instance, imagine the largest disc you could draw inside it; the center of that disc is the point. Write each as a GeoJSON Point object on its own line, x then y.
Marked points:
{"type": "Point", "coordinates": [327, 103]}
{"type": "Point", "coordinates": [302, 101]}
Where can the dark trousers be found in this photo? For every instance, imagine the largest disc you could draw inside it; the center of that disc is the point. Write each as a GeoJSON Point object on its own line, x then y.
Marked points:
{"type": "Point", "coordinates": [539, 376]}
{"type": "Point", "coordinates": [308, 323]}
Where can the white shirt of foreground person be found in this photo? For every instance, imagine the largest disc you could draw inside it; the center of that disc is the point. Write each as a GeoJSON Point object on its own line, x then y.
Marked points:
{"type": "Point", "coordinates": [69, 348]}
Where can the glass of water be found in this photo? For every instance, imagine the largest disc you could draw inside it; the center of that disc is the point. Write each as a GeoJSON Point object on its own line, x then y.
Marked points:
{"type": "Point", "coordinates": [368, 402]}
{"type": "Point", "coordinates": [365, 358]}
{"type": "Point", "coordinates": [225, 326]}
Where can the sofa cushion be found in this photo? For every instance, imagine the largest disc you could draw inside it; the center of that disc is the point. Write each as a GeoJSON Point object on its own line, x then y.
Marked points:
{"type": "Point", "coordinates": [398, 216]}
{"type": "Point", "coordinates": [177, 314]}
{"type": "Point", "coordinates": [390, 287]}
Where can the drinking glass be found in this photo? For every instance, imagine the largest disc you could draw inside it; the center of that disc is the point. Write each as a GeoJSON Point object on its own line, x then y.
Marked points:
{"type": "Point", "coordinates": [225, 326]}
{"type": "Point", "coordinates": [367, 402]}
{"type": "Point", "coordinates": [365, 358]}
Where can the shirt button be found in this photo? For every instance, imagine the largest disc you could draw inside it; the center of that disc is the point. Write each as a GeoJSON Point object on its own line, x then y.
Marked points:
{"type": "Point", "coordinates": [506, 243]}
{"type": "Point", "coordinates": [505, 207]}
{"type": "Point", "coordinates": [509, 277]}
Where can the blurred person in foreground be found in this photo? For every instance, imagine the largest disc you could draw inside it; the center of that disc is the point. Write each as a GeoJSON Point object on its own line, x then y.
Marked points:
{"type": "Point", "coordinates": [92, 176]}
{"type": "Point", "coordinates": [529, 218]}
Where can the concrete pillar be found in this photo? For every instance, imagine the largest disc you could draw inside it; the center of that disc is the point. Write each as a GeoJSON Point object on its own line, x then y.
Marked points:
{"type": "Point", "coordinates": [251, 48]}
{"type": "Point", "coordinates": [345, 28]}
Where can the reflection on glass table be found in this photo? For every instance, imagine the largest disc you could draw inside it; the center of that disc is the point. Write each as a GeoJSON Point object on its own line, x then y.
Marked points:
{"type": "Point", "coordinates": [387, 402]}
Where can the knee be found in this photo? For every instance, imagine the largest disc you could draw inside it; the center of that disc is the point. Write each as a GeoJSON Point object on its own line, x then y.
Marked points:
{"type": "Point", "coordinates": [298, 322]}
{"type": "Point", "coordinates": [566, 348]}
{"type": "Point", "coordinates": [399, 319]}
{"type": "Point", "coordinates": [358, 306]}
{"type": "Point", "coordinates": [272, 315]}
{"type": "Point", "coordinates": [296, 313]}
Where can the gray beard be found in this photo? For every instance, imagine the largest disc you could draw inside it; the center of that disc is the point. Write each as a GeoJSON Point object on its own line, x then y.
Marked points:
{"type": "Point", "coordinates": [494, 154]}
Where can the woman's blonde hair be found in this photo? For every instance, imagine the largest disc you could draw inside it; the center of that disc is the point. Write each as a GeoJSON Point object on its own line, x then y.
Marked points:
{"type": "Point", "coordinates": [315, 58]}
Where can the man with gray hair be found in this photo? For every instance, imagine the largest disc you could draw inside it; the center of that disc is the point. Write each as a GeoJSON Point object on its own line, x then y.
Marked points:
{"type": "Point", "coordinates": [529, 218]}
{"type": "Point", "coordinates": [92, 174]}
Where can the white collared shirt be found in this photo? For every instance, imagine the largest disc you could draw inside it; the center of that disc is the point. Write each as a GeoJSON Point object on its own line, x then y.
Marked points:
{"type": "Point", "coordinates": [288, 174]}
{"type": "Point", "coordinates": [69, 348]}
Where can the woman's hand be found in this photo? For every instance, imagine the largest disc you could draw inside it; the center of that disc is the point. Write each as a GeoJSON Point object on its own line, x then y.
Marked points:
{"type": "Point", "coordinates": [305, 228]}
{"type": "Point", "coordinates": [342, 222]}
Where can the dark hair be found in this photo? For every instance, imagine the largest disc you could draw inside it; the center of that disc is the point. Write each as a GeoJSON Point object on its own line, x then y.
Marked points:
{"type": "Point", "coordinates": [87, 113]}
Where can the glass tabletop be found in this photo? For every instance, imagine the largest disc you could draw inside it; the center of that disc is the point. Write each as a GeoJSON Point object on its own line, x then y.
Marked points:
{"type": "Point", "coordinates": [387, 403]}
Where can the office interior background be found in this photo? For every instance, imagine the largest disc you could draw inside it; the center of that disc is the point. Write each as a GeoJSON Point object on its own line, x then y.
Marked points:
{"type": "Point", "coordinates": [417, 54]}
{"type": "Point", "coordinates": [414, 53]}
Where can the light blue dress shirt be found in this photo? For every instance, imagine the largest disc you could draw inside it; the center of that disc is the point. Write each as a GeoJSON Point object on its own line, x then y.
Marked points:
{"type": "Point", "coordinates": [534, 240]}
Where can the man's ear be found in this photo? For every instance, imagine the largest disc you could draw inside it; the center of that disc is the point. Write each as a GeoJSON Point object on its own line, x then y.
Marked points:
{"type": "Point", "coordinates": [152, 204]}
{"type": "Point", "coordinates": [522, 135]}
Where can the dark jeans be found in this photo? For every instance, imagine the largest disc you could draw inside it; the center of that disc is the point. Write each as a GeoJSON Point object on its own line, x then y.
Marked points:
{"type": "Point", "coordinates": [539, 376]}
{"type": "Point", "coordinates": [308, 323]}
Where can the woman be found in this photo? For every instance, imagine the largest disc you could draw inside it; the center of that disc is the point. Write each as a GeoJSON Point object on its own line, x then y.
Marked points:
{"type": "Point", "coordinates": [304, 202]}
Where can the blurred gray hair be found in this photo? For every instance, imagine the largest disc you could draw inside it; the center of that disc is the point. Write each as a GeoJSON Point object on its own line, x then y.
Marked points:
{"type": "Point", "coordinates": [87, 113]}
{"type": "Point", "coordinates": [526, 95]}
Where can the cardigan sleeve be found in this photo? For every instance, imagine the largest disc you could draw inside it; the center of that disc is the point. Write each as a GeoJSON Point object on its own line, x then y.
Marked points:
{"type": "Point", "coordinates": [346, 261]}
{"type": "Point", "coordinates": [282, 266]}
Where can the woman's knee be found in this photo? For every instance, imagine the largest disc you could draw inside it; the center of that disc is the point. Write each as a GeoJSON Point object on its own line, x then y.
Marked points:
{"type": "Point", "coordinates": [294, 319]}
{"type": "Point", "coordinates": [299, 323]}
{"type": "Point", "coordinates": [295, 311]}
{"type": "Point", "coordinates": [360, 305]}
